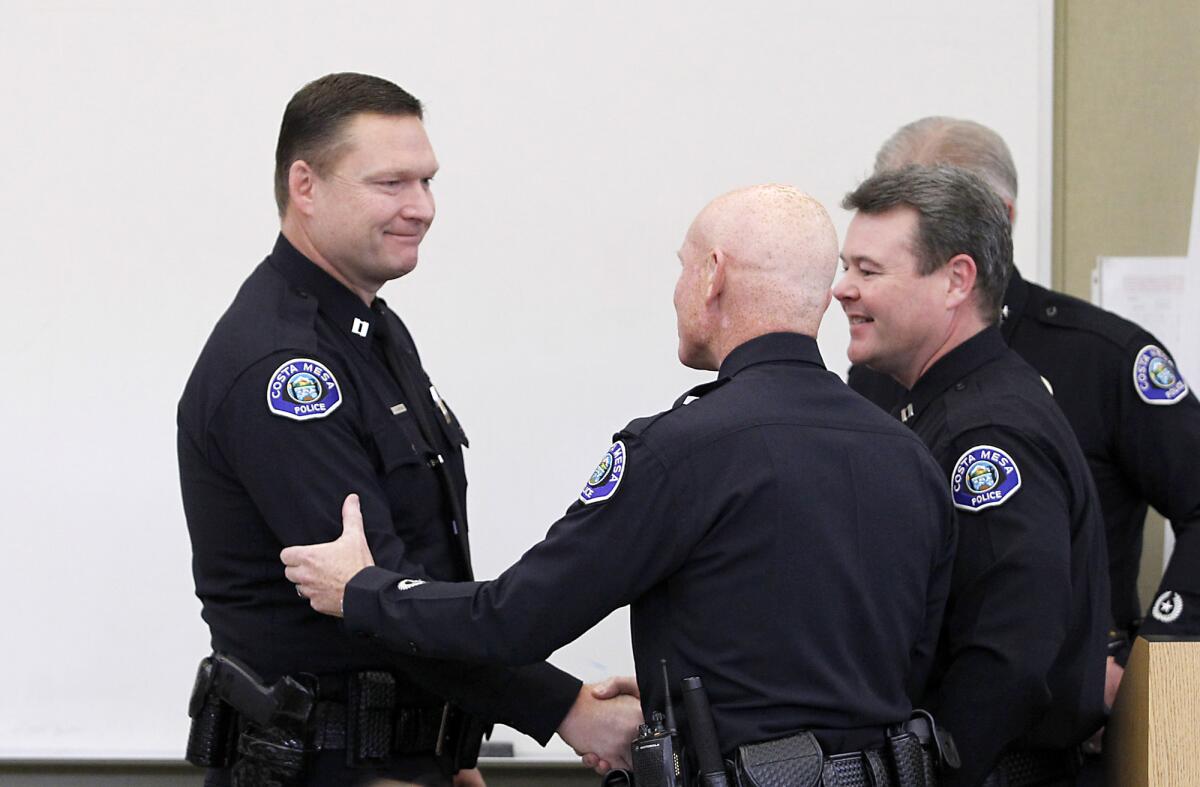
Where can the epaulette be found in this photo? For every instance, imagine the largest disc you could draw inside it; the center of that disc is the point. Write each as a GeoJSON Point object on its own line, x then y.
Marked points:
{"type": "Point", "coordinates": [639, 425]}
{"type": "Point", "coordinates": [1056, 308]}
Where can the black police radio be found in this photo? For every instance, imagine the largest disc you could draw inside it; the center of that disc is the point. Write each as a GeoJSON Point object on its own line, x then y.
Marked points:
{"type": "Point", "coordinates": [657, 751]}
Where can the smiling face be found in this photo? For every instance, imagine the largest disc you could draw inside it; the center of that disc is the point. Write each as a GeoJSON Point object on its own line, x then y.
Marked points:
{"type": "Point", "coordinates": [897, 316]}
{"type": "Point", "coordinates": [367, 214]}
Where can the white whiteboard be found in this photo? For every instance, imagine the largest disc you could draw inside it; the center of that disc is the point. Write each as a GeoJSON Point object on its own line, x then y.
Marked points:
{"type": "Point", "coordinates": [577, 141]}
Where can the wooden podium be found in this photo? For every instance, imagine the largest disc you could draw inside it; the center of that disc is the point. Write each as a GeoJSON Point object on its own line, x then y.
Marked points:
{"type": "Point", "coordinates": [1153, 737]}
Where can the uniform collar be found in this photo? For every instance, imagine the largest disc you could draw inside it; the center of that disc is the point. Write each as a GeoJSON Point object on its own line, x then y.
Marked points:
{"type": "Point", "coordinates": [351, 316]}
{"type": "Point", "coordinates": [772, 347]}
{"type": "Point", "coordinates": [983, 347]}
{"type": "Point", "coordinates": [1015, 299]}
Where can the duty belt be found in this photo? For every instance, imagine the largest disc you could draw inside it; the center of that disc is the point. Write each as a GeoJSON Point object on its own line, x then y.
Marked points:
{"type": "Point", "coordinates": [911, 756]}
{"type": "Point", "coordinates": [360, 711]}
{"type": "Point", "coordinates": [1032, 767]}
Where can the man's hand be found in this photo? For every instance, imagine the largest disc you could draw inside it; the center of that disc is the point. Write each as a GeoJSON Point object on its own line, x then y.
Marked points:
{"type": "Point", "coordinates": [321, 571]}
{"type": "Point", "coordinates": [469, 778]}
{"type": "Point", "coordinates": [1113, 673]}
{"type": "Point", "coordinates": [602, 729]}
{"type": "Point", "coordinates": [606, 690]}
{"type": "Point", "coordinates": [616, 686]}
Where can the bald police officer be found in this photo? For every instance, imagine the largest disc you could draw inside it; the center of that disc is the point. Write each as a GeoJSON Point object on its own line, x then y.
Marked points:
{"type": "Point", "coordinates": [774, 533]}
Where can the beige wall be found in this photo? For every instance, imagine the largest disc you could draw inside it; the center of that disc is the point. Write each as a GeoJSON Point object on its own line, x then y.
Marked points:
{"type": "Point", "coordinates": [1126, 131]}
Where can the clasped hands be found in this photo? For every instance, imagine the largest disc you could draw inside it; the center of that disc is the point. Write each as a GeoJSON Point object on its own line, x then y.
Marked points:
{"type": "Point", "coordinates": [601, 723]}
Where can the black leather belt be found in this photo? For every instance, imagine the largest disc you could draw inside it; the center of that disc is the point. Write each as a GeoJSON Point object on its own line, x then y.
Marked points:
{"type": "Point", "coordinates": [415, 729]}
{"type": "Point", "coordinates": [857, 769]}
{"type": "Point", "coordinates": [364, 710]}
{"type": "Point", "coordinates": [903, 761]}
{"type": "Point", "coordinates": [1033, 767]}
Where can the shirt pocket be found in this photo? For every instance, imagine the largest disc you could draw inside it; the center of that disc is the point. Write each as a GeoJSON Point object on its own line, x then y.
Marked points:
{"type": "Point", "coordinates": [399, 442]}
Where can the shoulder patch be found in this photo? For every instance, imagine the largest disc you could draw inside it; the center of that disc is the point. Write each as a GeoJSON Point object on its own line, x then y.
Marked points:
{"type": "Point", "coordinates": [983, 477]}
{"type": "Point", "coordinates": [1167, 607]}
{"type": "Point", "coordinates": [1155, 377]}
{"type": "Point", "coordinates": [606, 477]}
{"type": "Point", "coordinates": [302, 389]}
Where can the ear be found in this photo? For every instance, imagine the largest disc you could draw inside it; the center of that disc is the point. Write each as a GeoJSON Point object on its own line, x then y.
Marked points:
{"type": "Point", "coordinates": [960, 280]}
{"type": "Point", "coordinates": [1012, 211]}
{"type": "Point", "coordinates": [301, 182]}
{"type": "Point", "coordinates": [714, 275]}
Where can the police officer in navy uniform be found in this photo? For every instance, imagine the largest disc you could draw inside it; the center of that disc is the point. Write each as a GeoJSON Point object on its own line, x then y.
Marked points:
{"type": "Point", "coordinates": [1139, 429]}
{"type": "Point", "coordinates": [1020, 675]}
{"type": "Point", "coordinates": [775, 534]}
{"type": "Point", "coordinates": [310, 387]}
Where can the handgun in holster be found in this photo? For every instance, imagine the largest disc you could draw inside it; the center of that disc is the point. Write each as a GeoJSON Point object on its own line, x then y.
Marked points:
{"type": "Point", "coordinates": [237, 719]}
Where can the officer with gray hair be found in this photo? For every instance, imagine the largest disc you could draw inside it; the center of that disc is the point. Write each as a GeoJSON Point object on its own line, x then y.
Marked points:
{"type": "Point", "coordinates": [1118, 386]}
{"type": "Point", "coordinates": [1020, 671]}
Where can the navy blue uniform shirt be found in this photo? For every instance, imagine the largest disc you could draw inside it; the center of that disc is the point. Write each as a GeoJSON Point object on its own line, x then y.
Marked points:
{"type": "Point", "coordinates": [1140, 453]}
{"type": "Point", "coordinates": [1021, 659]}
{"type": "Point", "coordinates": [290, 407]}
{"type": "Point", "coordinates": [778, 536]}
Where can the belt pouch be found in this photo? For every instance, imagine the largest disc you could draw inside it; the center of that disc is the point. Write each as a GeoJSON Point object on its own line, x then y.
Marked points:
{"type": "Point", "coordinates": [370, 713]}
{"type": "Point", "coordinates": [913, 765]}
{"type": "Point", "coordinates": [794, 761]}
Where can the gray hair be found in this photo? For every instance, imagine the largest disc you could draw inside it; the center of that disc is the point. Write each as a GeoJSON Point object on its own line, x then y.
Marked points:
{"type": "Point", "coordinates": [959, 143]}
{"type": "Point", "coordinates": [957, 214]}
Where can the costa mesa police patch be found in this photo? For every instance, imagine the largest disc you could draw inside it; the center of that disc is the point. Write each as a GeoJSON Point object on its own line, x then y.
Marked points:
{"type": "Point", "coordinates": [983, 477]}
{"type": "Point", "coordinates": [302, 389]}
{"type": "Point", "coordinates": [606, 477]}
{"type": "Point", "coordinates": [1155, 377]}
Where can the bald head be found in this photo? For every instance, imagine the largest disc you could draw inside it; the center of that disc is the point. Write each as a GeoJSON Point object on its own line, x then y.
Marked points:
{"type": "Point", "coordinates": [756, 260]}
{"type": "Point", "coordinates": [936, 140]}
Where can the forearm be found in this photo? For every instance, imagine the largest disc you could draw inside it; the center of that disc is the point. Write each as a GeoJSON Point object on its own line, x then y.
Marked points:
{"type": "Point", "coordinates": [1175, 608]}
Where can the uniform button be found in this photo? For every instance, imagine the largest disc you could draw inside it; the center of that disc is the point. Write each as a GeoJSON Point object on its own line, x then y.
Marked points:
{"type": "Point", "coordinates": [1051, 311]}
{"type": "Point", "coordinates": [413, 649]}
{"type": "Point", "coordinates": [960, 386]}
{"type": "Point", "coordinates": [302, 293]}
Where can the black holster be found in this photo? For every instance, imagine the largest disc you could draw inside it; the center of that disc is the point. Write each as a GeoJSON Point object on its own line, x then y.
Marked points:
{"type": "Point", "coordinates": [268, 758]}
{"type": "Point", "coordinates": [212, 739]}
{"type": "Point", "coordinates": [237, 719]}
